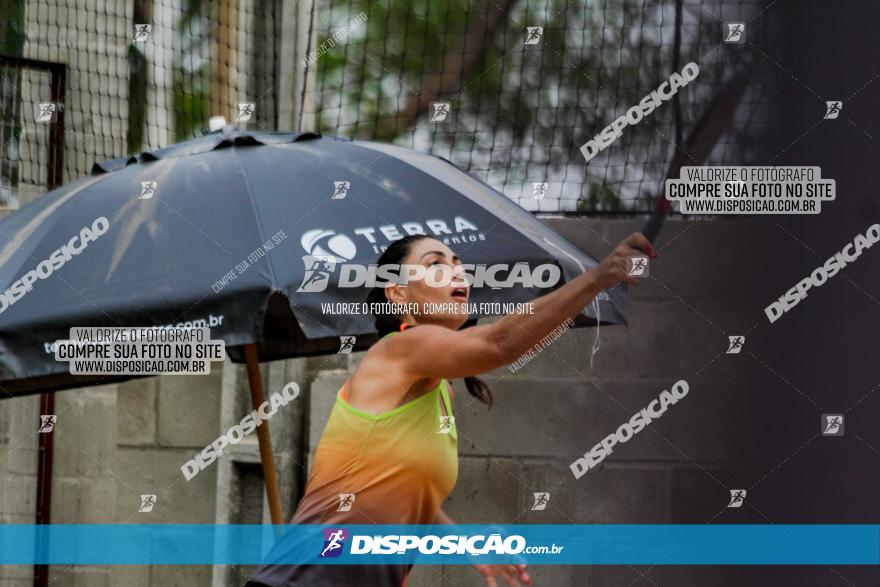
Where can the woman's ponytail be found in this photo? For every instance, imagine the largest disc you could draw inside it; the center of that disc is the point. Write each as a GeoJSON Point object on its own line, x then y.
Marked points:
{"type": "Point", "coordinates": [478, 388]}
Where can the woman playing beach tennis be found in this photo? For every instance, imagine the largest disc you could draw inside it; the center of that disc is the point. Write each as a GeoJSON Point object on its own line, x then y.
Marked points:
{"type": "Point", "coordinates": [388, 454]}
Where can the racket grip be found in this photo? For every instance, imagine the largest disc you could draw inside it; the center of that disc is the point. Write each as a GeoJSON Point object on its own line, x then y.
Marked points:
{"type": "Point", "coordinates": [652, 227]}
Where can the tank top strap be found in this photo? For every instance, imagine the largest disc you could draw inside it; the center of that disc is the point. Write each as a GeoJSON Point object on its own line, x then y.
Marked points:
{"type": "Point", "coordinates": [444, 392]}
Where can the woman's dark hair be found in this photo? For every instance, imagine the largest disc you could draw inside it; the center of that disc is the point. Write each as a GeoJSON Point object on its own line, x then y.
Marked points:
{"type": "Point", "coordinates": [385, 322]}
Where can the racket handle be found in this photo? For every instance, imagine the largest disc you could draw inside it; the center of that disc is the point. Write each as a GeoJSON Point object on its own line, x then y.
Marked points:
{"type": "Point", "coordinates": [652, 227]}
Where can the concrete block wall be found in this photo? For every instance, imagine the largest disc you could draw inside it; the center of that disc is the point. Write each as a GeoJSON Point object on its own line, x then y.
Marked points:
{"type": "Point", "coordinates": [18, 474]}
{"type": "Point", "coordinates": [112, 444]}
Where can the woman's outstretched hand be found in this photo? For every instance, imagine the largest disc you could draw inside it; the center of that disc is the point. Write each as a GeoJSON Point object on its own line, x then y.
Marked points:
{"type": "Point", "coordinates": [614, 268]}
{"type": "Point", "coordinates": [512, 575]}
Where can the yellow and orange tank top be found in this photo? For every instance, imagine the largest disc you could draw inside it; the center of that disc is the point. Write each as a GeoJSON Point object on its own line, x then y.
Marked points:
{"type": "Point", "coordinates": [391, 468]}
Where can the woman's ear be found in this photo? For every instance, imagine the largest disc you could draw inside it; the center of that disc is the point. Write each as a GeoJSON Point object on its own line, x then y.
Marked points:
{"type": "Point", "coordinates": [395, 294]}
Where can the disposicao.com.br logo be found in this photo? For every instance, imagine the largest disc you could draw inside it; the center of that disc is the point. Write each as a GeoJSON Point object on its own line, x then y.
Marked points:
{"type": "Point", "coordinates": [431, 544]}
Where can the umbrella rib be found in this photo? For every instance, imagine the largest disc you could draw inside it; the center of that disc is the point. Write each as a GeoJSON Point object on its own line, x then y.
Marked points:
{"type": "Point", "coordinates": [262, 233]}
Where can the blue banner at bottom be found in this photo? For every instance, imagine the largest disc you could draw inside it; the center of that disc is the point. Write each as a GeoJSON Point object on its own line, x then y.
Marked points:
{"type": "Point", "coordinates": [630, 544]}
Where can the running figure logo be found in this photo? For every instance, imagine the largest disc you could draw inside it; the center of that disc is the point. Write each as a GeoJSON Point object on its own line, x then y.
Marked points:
{"type": "Point", "coordinates": [333, 540]}
{"type": "Point", "coordinates": [446, 423]}
{"type": "Point", "coordinates": [142, 32]}
{"type": "Point", "coordinates": [541, 500]}
{"type": "Point", "coordinates": [346, 345]}
{"type": "Point", "coordinates": [245, 111]}
{"type": "Point", "coordinates": [340, 189]}
{"type": "Point", "coordinates": [539, 190]}
{"type": "Point", "coordinates": [440, 111]}
{"type": "Point", "coordinates": [147, 503]}
{"type": "Point", "coordinates": [325, 249]}
{"type": "Point", "coordinates": [318, 270]}
{"type": "Point", "coordinates": [735, 344]}
{"type": "Point", "coordinates": [47, 423]}
{"type": "Point", "coordinates": [832, 424]}
{"type": "Point", "coordinates": [148, 188]}
{"type": "Point", "coordinates": [533, 34]}
{"type": "Point", "coordinates": [832, 109]}
{"type": "Point", "coordinates": [346, 500]}
{"type": "Point", "coordinates": [637, 266]}
{"type": "Point", "coordinates": [46, 112]}
{"type": "Point", "coordinates": [734, 32]}
{"type": "Point", "coordinates": [737, 496]}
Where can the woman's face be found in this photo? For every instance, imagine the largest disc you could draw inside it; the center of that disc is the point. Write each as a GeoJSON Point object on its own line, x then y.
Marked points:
{"type": "Point", "coordinates": [442, 293]}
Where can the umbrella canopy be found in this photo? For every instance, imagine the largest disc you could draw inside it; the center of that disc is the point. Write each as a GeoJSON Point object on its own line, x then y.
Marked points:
{"type": "Point", "coordinates": [220, 231]}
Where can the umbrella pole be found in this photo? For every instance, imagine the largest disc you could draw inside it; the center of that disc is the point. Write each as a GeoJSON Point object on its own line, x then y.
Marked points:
{"type": "Point", "coordinates": [44, 485]}
{"type": "Point", "coordinates": [257, 399]}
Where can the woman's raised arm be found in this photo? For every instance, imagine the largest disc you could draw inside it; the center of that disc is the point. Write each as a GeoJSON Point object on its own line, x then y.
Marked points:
{"type": "Point", "coordinates": [434, 352]}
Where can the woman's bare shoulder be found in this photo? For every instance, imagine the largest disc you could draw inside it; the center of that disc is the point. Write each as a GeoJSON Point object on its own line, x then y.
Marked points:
{"type": "Point", "coordinates": [378, 377]}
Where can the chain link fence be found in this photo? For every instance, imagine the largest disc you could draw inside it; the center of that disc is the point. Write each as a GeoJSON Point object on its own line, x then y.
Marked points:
{"type": "Point", "coordinates": [508, 90]}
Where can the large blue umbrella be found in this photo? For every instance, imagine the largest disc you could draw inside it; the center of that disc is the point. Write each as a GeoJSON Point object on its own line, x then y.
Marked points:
{"type": "Point", "coordinates": [185, 236]}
